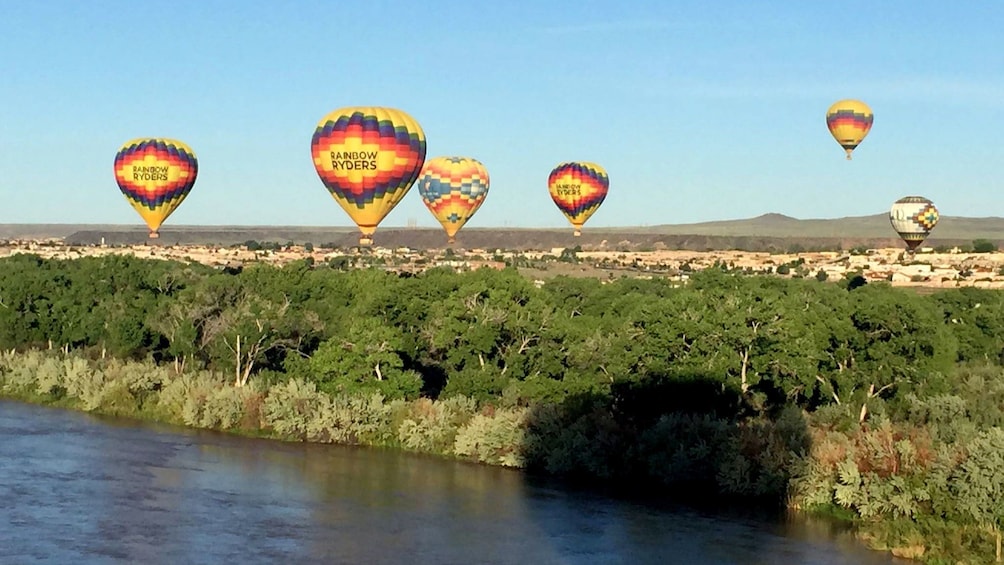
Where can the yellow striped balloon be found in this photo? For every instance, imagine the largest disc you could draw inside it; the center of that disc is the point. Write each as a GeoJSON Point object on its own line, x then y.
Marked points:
{"type": "Point", "coordinates": [849, 121]}
{"type": "Point", "coordinates": [453, 188]}
{"type": "Point", "coordinates": [155, 175]}
{"type": "Point", "coordinates": [368, 158]}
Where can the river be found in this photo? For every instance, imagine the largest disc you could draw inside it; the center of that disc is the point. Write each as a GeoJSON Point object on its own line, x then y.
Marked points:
{"type": "Point", "coordinates": [75, 488]}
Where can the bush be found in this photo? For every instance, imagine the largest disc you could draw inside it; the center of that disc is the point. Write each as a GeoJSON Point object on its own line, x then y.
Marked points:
{"type": "Point", "coordinates": [495, 438]}
{"type": "Point", "coordinates": [431, 426]}
{"type": "Point", "coordinates": [984, 246]}
{"type": "Point", "coordinates": [291, 407]}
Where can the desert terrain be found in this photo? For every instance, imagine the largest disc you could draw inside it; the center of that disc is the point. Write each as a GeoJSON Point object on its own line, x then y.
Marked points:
{"type": "Point", "coordinates": [772, 243]}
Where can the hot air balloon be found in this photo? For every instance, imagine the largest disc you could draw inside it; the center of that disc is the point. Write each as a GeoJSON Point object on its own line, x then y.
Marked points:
{"type": "Point", "coordinates": [913, 218]}
{"type": "Point", "coordinates": [453, 189]}
{"type": "Point", "coordinates": [849, 122]}
{"type": "Point", "coordinates": [155, 175]}
{"type": "Point", "coordinates": [578, 189]}
{"type": "Point", "coordinates": [368, 158]}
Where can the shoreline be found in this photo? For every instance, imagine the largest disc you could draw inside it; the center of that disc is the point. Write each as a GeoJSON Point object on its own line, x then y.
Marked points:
{"type": "Point", "coordinates": [154, 415]}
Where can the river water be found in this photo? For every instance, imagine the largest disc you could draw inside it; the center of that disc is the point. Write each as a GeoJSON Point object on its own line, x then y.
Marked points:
{"type": "Point", "coordinates": [75, 488]}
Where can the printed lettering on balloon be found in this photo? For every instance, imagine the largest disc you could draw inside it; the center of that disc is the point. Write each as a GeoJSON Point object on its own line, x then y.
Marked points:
{"type": "Point", "coordinates": [149, 173]}
{"type": "Point", "coordinates": [568, 189]}
{"type": "Point", "coordinates": [354, 160]}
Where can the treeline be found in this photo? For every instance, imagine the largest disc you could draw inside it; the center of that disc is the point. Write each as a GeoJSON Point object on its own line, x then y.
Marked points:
{"type": "Point", "coordinates": [880, 402]}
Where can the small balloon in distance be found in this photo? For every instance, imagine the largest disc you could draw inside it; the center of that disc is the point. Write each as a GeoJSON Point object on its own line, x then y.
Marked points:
{"type": "Point", "coordinates": [155, 175]}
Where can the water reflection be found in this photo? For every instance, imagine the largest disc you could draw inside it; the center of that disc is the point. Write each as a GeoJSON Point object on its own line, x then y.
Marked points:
{"type": "Point", "coordinates": [79, 489]}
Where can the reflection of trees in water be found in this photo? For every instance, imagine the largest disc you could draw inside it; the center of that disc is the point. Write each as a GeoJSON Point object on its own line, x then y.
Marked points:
{"type": "Point", "coordinates": [363, 501]}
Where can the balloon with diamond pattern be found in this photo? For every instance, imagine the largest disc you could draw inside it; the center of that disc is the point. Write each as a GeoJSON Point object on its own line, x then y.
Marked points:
{"type": "Point", "coordinates": [849, 121]}
{"type": "Point", "coordinates": [913, 218]}
{"type": "Point", "coordinates": [368, 158]}
{"type": "Point", "coordinates": [155, 175]}
{"type": "Point", "coordinates": [453, 188]}
{"type": "Point", "coordinates": [578, 189]}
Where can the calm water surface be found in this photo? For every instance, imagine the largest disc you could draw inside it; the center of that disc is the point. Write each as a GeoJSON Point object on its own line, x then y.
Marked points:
{"type": "Point", "coordinates": [79, 489]}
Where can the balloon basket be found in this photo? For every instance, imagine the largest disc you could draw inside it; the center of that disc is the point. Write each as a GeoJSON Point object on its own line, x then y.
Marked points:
{"type": "Point", "coordinates": [154, 235]}
{"type": "Point", "coordinates": [365, 241]}
{"type": "Point", "coordinates": [577, 233]}
{"type": "Point", "coordinates": [451, 240]}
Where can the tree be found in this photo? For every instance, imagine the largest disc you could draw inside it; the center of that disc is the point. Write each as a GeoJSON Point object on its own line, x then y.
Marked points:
{"type": "Point", "coordinates": [976, 318]}
{"type": "Point", "coordinates": [363, 355]}
{"type": "Point", "coordinates": [231, 324]}
{"type": "Point", "coordinates": [984, 246]}
{"type": "Point", "coordinates": [898, 340]}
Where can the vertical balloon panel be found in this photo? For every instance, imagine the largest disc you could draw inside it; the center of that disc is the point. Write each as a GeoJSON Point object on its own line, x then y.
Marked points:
{"type": "Point", "coordinates": [849, 121]}
{"type": "Point", "coordinates": [913, 218]}
{"type": "Point", "coordinates": [578, 189]}
{"type": "Point", "coordinates": [368, 158]}
{"type": "Point", "coordinates": [155, 175]}
{"type": "Point", "coordinates": [453, 188]}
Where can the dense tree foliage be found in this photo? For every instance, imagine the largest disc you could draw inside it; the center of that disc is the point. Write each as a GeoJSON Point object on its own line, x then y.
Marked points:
{"type": "Point", "coordinates": [489, 334]}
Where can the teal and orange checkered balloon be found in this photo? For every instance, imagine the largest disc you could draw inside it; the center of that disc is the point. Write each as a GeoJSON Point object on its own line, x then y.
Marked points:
{"type": "Point", "coordinates": [453, 188]}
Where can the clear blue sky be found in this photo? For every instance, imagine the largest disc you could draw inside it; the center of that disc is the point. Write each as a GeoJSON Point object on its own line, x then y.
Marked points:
{"type": "Point", "coordinates": [699, 110]}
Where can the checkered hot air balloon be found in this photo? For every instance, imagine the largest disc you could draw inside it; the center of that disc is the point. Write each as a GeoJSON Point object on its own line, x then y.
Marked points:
{"type": "Point", "coordinates": [155, 175]}
{"type": "Point", "coordinates": [913, 218]}
{"type": "Point", "coordinates": [453, 188]}
{"type": "Point", "coordinates": [578, 189]}
{"type": "Point", "coordinates": [849, 121]}
{"type": "Point", "coordinates": [368, 158]}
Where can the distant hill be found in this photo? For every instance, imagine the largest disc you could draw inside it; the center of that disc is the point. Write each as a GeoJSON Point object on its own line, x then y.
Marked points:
{"type": "Point", "coordinates": [38, 231]}
{"type": "Point", "coordinates": [875, 226]}
{"type": "Point", "coordinates": [766, 232]}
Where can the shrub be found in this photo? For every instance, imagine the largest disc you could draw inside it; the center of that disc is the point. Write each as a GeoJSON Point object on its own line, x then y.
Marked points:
{"type": "Point", "coordinates": [496, 438]}
{"type": "Point", "coordinates": [432, 426]}
{"type": "Point", "coordinates": [291, 406]}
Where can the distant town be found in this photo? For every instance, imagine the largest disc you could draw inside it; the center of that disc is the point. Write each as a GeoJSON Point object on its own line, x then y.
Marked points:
{"type": "Point", "coordinates": [928, 268]}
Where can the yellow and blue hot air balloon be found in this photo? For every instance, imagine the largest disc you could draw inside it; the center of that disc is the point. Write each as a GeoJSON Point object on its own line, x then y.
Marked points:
{"type": "Point", "coordinates": [578, 189]}
{"type": "Point", "coordinates": [155, 175]}
{"type": "Point", "coordinates": [849, 121]}
{"type": "Point", "coordinates": [368, 158]}
{"type": "Point", "coordinates": [453, 188]}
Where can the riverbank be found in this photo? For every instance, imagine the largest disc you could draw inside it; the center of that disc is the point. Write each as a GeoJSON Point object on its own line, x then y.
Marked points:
{"type": "Point", "coordinates": [901, 478]}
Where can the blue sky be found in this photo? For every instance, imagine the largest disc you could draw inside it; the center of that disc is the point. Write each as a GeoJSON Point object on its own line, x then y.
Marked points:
{"type": "Point", "coordinates": [698, 110]}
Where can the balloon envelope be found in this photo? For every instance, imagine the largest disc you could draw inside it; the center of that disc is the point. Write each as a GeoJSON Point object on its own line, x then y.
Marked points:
{"type": "Point", "coordinates": [155, 175]}
{"type": "Point", "coordinates": [913, 218]}
{"type": "Point", "coordinates": [368, 158]}
{"type": "Point", "coordinates": [578, 189]}
{"type": "Point", "coordinates": [453, 188]}
{"type": "Point", "coordinates": [849, 121]}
